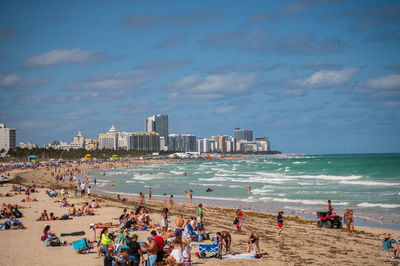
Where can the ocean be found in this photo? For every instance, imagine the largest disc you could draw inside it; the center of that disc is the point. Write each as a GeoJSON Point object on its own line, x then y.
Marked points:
{"type": "Point", "coordinates": [298, 184]}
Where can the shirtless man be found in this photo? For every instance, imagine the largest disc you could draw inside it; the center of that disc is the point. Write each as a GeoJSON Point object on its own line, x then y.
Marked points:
{"type": "Point", "coordinates": [179, 225]}
{"type": "Point", "coordinates": [72, 210]}
{"type": "Point", "coordinates": [86, 210]}
{"type": "Point", "coordinates": [330, 208]}
{"type": "Point", "coordinates": [226, 240]}
{"type": "Point", "coordinates": [152, 250]}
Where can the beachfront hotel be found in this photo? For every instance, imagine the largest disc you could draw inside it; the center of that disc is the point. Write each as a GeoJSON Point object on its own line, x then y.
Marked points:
{"type": "Point", "coordinates": [7, 139]}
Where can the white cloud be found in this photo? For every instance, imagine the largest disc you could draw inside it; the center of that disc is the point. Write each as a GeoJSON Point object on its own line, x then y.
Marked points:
{"type": "Point", "coordinates": [112, 81]}
{"type": "Point", "coordinates": [15, 82]}
{"type": "Point", "coordinates": [225, 110]}
{"type": "Point", "coordinates": [386, 82]}
{"type": "Point", "coordinates": [65, 57]}
{"type": "Point", "coordinates": [211, 87]}
{"type": "Point", "coordinates": [327, 78]}
{"type": "Point", "coordinates": [78, 114]}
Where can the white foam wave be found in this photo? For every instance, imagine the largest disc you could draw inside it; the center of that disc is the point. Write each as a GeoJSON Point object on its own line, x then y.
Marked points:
{"type": "Point", "coordinates": [258, 191]}
{"type": "Point", "coordinates": [328, 177]}
{"type": "Point", "coordinates": [302, 201]}
{"type": "Point", "coordinates": [206, 185]}
{"type": "Point", "coordinates": [368, 183]}
{"type": "Point", "coordinates": [371, 205]}
{"type": "Point", "coordinates": [147, 177]}
{"type": "Point", "coordinates": [299, 162]}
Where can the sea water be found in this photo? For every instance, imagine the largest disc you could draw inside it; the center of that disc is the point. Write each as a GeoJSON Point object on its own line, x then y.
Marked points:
{"type": "Point", "coordinates": [298, 184]}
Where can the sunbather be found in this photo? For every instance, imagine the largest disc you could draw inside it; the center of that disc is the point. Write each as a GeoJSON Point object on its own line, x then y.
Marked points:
{"type": "Point", "coordinates": [50, 237]}
{"type": "Point", "coordinates": [53, 218]}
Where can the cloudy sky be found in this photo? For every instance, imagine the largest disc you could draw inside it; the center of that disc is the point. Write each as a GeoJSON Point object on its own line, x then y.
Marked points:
{"type": "Point", "coordinates": [315, 76]}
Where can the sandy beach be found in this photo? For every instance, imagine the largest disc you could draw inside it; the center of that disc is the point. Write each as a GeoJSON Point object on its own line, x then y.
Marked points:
{"type": "Point", "coordinates": [300, 243]}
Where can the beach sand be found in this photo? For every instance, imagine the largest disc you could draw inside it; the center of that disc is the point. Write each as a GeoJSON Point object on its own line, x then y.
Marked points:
{"type": "Point", "coordinates": [300, 243]}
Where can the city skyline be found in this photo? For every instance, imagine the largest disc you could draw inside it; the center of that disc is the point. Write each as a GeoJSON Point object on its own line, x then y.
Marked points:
{"type": "Point", "coordinates": [314, 76]}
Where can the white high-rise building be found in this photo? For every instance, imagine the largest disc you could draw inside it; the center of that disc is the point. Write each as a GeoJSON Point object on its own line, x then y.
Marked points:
{"type": "Point", "coordinates": [78, 143]}
{"type": "Point", "coordinates": [206, 145]}
{"type": "Point", "coordinates": [7, 139]}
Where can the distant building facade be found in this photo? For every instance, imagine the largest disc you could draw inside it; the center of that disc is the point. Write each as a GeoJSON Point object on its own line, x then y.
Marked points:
{"type": "Point", "coordinates": [144, 141]}
{"type": "Point", "coordinates": [158, 124]}
{"type": "Point", "coordinates": [221, 142]}
{"type": "Point", "coordinates": [27, 145]}
{"type": "Point", "coordinates": [245, 134]}
{"type": "Point", "coordinates": [206, 145]}
{"type": "Point", "coordinates": [259, 145]}
{"type": "Point", "coordinates": [182, 142]}
{"type": "Point", "coordinates": [109, 140]}
{"type": "Point", "coordinates": [8, 139]}
{"type": "Point", "coordinates": [92, 144]}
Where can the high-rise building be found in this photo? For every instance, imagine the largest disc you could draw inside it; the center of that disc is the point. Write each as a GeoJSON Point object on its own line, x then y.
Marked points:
{"type": "Point", "coordinates": [221, 142]}
{"type": "Point", "coordinates": [158, 124]}
{"type": "Point", "coordinates": [259, 145]}
{"type": "Point", "coordinates": [245, 134]}
{"type": "Point", "coordinates": [206, 145]}
{"type": "Point", "coordinates": [7, 139]}
{"type": "Point", "coordinates": [145, 141]}
{"type": "Point", "coordinates": [182, 142]}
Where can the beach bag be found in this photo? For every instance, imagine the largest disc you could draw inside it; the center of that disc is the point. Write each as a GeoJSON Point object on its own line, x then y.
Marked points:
{"type": "Point", "coordinates": [236, 220]}
{"type": "Point", "coordinates": [64, 217]}
{"type": "Point", "coordinates": [17, 214]}
{"type": "Point", "coordinates": [43, 238]}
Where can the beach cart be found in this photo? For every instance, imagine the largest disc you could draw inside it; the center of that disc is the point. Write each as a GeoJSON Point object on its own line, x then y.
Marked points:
{"type": "Point", "coordinates": [213, 250]}
{"type": "Point", "coordinates": [82, 246]}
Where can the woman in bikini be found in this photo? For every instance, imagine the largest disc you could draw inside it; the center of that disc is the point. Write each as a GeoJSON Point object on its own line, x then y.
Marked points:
{"type": "Point", "coordinates": [254, 240]}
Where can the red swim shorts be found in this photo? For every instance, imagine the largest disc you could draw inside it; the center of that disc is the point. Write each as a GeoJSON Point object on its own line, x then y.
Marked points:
{"type": "Point", "coordinates": [280, 225]}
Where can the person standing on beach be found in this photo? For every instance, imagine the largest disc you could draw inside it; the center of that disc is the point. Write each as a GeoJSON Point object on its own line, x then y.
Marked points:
{"type": "Point", "coordinates": [149, 191]}
{"type": "Point", "coordinates": [200, 215]}
{"type": "Point", "coordinates": [350, 222]}
{"type": "Point", "coordinates": [330, 208]}
{"type": "Point", "coordinates": [165, 197]}
{"type": "Point", "coordinates": [83, 189]}
{"type": "Point", "coordinates": [171, 201]}
{"type": "Point", "coordinates": [239, 215]}
{"type": "Point", "coordinates": [190, 196]}
{"type": "Point", "coordinates": [95, 182]}
{"type": "Point", "coordinates": [280, 222]}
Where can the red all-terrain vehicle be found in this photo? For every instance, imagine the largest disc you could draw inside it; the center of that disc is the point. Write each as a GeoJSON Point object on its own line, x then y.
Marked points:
{"type": "Point", "coordinates": [330, 221]}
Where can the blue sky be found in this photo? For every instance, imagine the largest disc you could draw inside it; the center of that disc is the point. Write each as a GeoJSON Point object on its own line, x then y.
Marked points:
{"type": "Point", "coordinates": [315, 76]}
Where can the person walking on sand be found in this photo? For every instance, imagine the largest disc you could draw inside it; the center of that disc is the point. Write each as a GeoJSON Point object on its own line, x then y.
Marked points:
{"type": "Point", "coordinates": [280, 222]}
{"type": "Point", "coordinates": [165, 197]}
{"type": "Point", "coordinates": [149, 191]}
{"type": "Point", "coordinates": [190, 196]}
{"type": "Point", "coordinates": [171, 201]}
{"type": "Point", "coordinates": [239, 215]}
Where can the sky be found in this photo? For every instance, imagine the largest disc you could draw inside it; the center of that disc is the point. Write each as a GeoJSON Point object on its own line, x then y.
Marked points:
{"type": "Point", "coordinates": [315, 76]}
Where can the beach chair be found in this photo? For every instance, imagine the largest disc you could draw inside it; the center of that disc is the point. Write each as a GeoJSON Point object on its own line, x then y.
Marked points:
{"type": "Point", "coordinates": [213, 250]}
{"type": "Point", "coordinates": [82, 246]}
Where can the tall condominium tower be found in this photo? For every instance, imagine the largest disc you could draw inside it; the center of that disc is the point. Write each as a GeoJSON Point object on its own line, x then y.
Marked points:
{"type": "Point", "coordinates": [158, 124]}
{"type": "Point", "coordinates": [245, 134]}
{"type": "Point", "coordinates": [7, 139]}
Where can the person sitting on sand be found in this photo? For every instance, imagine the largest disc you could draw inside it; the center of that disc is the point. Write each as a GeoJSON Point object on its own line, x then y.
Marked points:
{"type": "Point", "coordinates": [49, 236]}
{"type": "Point", "coordinates": [86, 210]}
{"type": "Point", "coordinates": [52, 217]}
{"type": "Point", "coordinates": [94, 204]}
{"type": "Point", "coordinates": [120, 199]}
{"type": "Point", "coordinates": [64, 203]}
{"type": "Point", "coordinates": [176, 256]}
{"type": "Point", "coordinates": [254, 240]}
{"type": "Point", "coordinates": [168, 234]}
{"type": "Point", "coordinates": [16, 222]}
{"type": "Point", "coordinates": [387, 245]}
{"type": "Point", "coordinates": [43, 216]}
{"type": "Point", "coordinates": [72, 210]}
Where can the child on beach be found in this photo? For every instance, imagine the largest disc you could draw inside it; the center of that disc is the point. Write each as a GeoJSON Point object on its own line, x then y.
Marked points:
{"type": "Point", "coordinates": [350, 223]}
{"type": "Point", "coordinates": [280, 222]}
{"type": "Point", "coordinates": [239, 215]}
{"type": "Point", "coordinates": [165, 197]}
{"type": "Point", "coordinates": [171, 201]}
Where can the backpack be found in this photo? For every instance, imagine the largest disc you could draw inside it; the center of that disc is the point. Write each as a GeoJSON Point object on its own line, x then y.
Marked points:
{"type": "Point", "coordinates": [236, 220]}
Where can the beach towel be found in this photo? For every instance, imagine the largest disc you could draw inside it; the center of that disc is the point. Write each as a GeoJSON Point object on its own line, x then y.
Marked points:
{"type": "Point", "coordinates": [79, 233]}
{"type": "Point", "coordinates": [239, 256]}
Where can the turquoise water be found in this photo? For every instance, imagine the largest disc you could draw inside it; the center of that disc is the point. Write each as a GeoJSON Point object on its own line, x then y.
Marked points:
{"type": "Point", "coordinates": [367, 183]}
